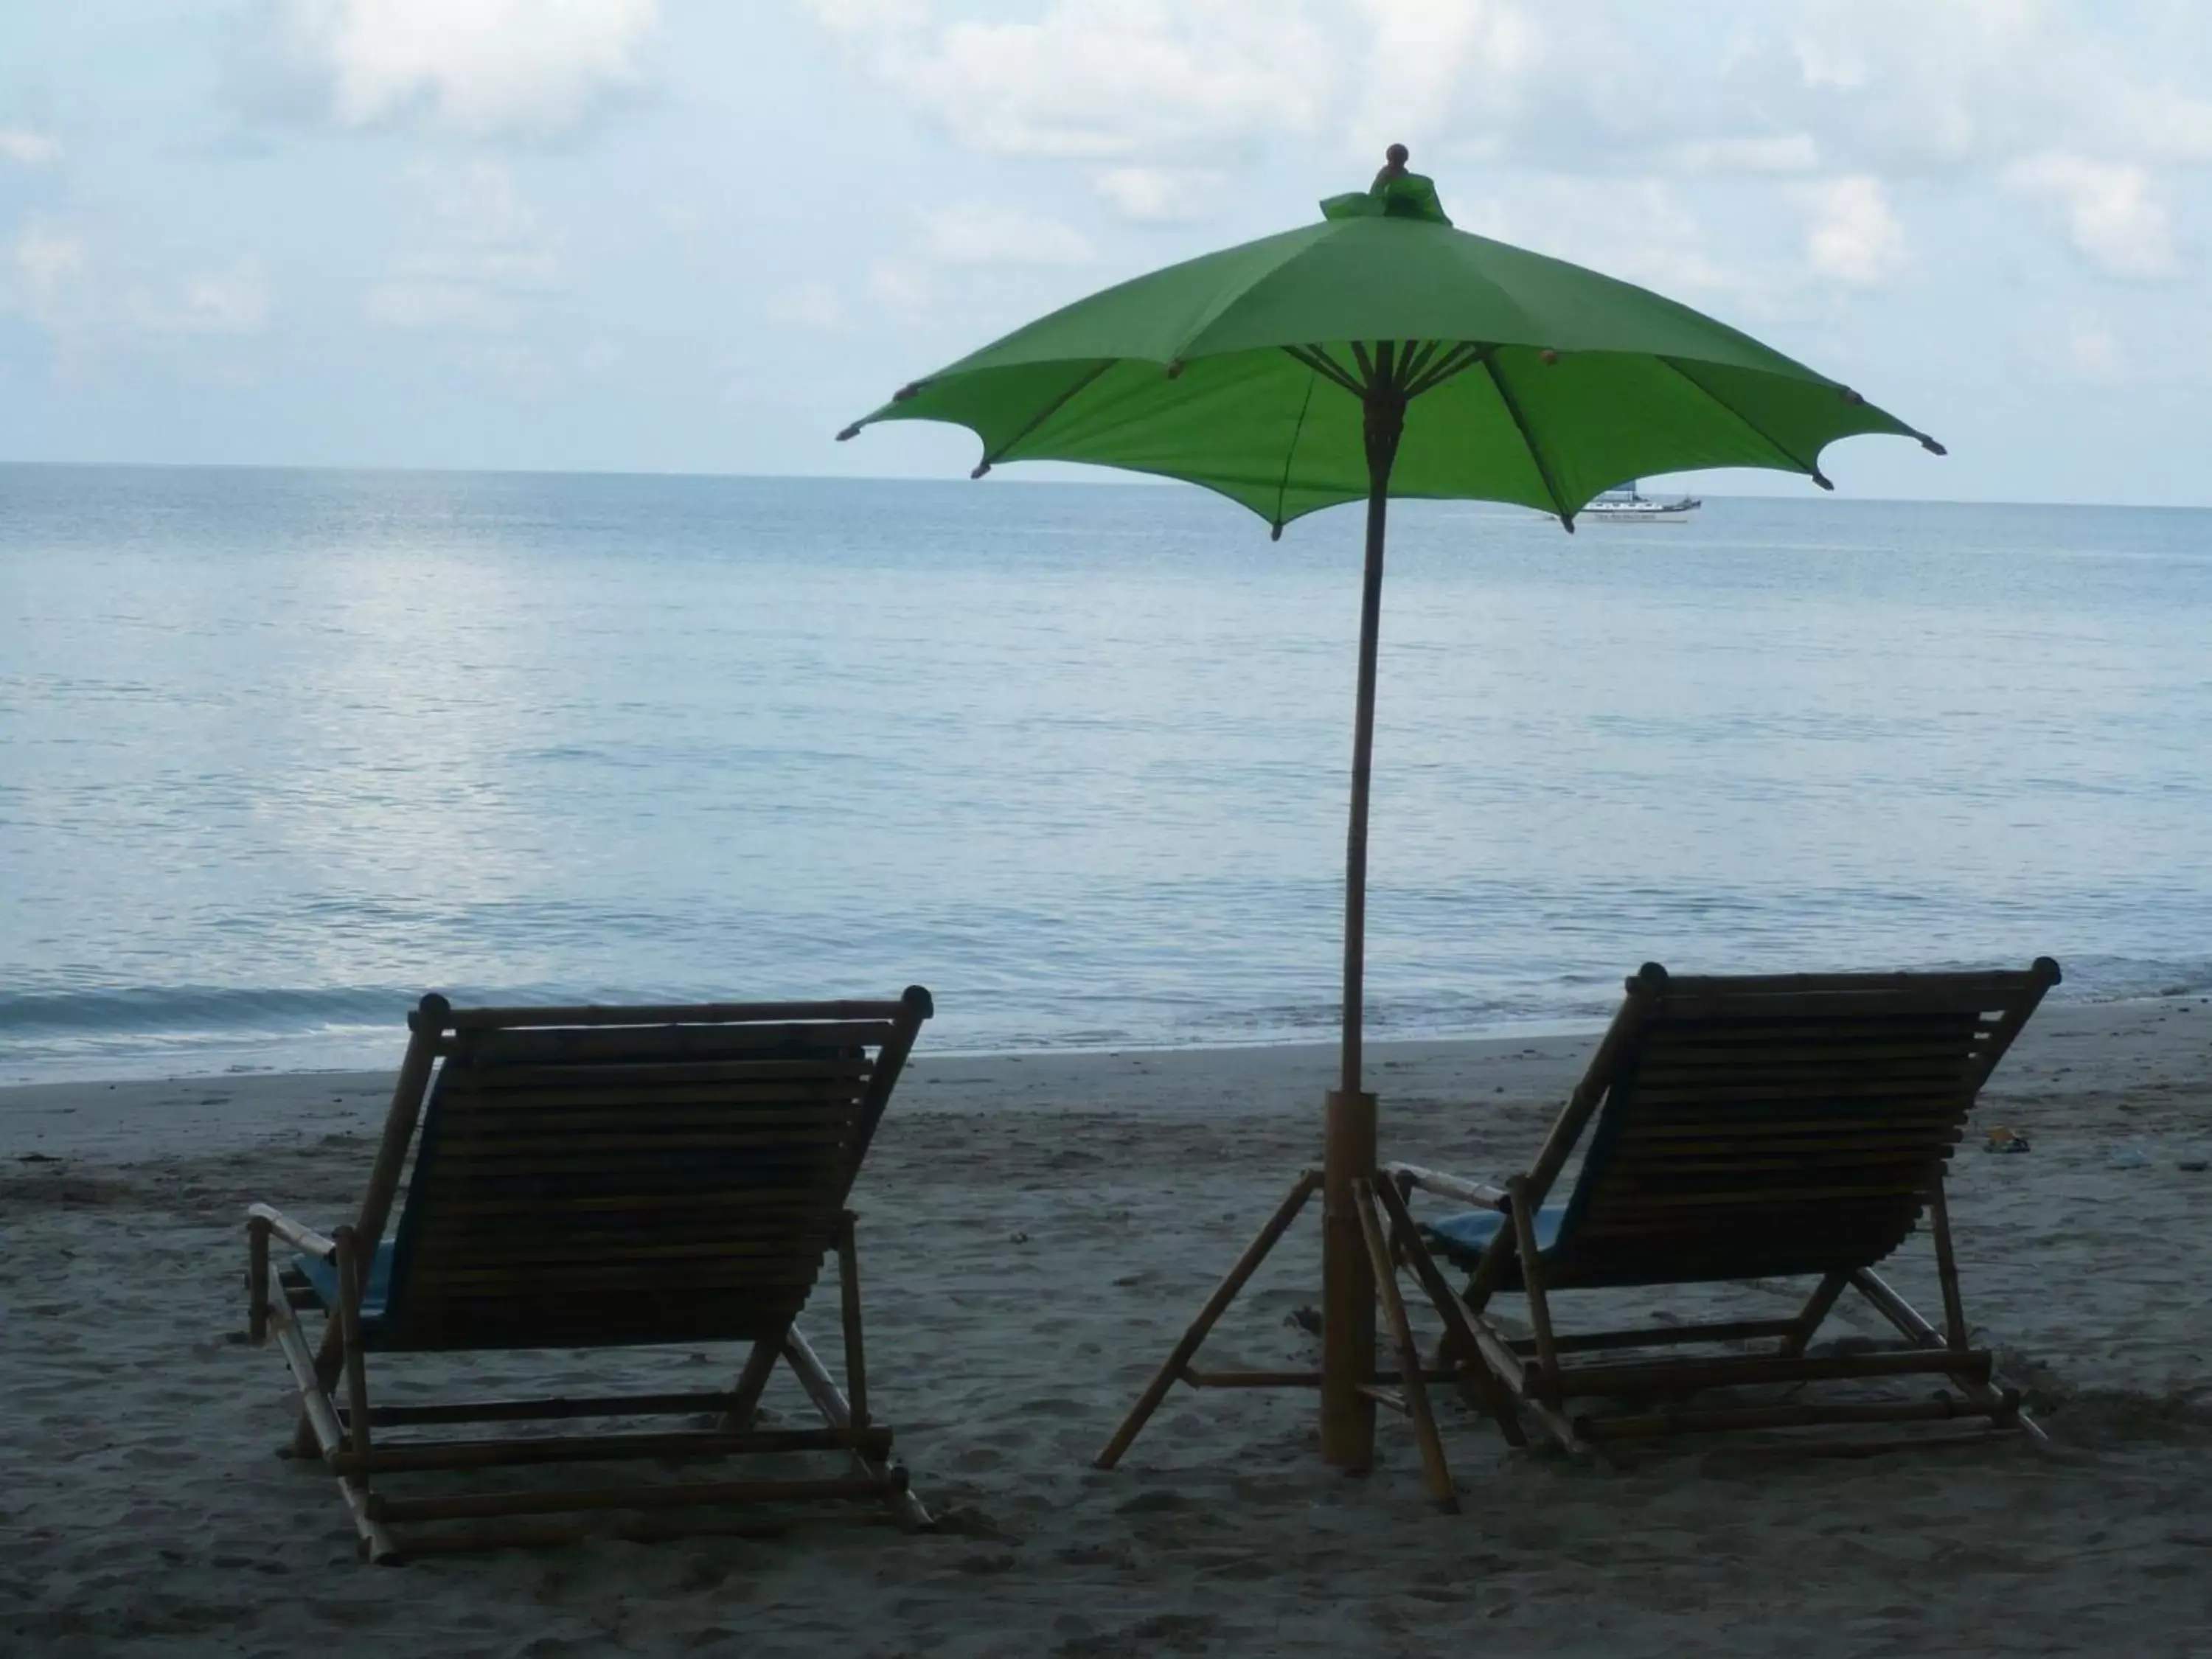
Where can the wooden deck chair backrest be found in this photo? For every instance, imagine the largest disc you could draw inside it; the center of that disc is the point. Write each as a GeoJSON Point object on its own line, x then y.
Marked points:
{"type": "Point", "coordinates": [588, 1177]}
{"type": "Point", "coordinates": [1761, 1128]}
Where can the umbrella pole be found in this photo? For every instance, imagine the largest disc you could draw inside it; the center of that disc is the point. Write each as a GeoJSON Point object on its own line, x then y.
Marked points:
{"type": "Point", "coordinates": [1347, 1279]}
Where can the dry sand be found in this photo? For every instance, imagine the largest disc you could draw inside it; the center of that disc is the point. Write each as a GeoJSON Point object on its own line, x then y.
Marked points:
{"type": "Point", "coordinates": [1035, 1231]}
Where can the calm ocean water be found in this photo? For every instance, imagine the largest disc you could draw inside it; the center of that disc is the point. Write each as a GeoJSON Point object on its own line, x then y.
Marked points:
{"type": "Point", "coordinates": [281, 751]}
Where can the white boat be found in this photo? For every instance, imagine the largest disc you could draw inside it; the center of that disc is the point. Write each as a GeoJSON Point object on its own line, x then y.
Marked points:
{"type": "Point", "coordinates": [1627, 504]}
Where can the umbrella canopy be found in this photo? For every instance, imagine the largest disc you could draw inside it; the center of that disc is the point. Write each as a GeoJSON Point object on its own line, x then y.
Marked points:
{"type": "Point", "coordinates": [1380, 353]}
{"type": "Point", "coordinates": [1523, 379]}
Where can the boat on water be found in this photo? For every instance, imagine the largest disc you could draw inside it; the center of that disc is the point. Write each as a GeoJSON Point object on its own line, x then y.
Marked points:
{"type": "Point", "coordinates": [1628, 504]}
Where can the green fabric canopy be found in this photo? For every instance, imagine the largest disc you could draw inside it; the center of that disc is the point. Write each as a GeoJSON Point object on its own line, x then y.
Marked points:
{"type": "Point", "coordinates": [1562, 382]}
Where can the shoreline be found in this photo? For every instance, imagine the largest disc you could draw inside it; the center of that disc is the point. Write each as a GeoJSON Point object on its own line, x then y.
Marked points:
{"type": "Point", "coordinates": [124, 1120]}
{"type": "Point", "coordinates": [360, 1040]}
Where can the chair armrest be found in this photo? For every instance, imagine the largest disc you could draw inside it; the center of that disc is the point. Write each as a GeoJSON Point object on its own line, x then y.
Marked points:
{"type": "Point", "coordinates": [1477, 1192]}
{"type": "Point", "coordinates": [298, 1234]}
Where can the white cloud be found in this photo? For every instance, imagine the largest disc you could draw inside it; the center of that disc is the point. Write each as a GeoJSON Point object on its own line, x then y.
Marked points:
{"type": "Point", "coordinates": [2161, 124]}
{"type": "Point", "coordinates": [1852, 235]}
{"type": "Point", "coordinates": [903, 284]}
{"type": "Point", "coordinates": [1778, 153]}
{"type": "Point", "coordinates": [1638, 230]}
{"type": "Point", "coordinates": [478, 249]}
{"type": "Point", "coordinates": [2113, 213]}
{"type": "Point", "coordinates": [1426, 58]}
{"type": "Point", "coordinates": [815, 309]}
{"type": "Point", "coordinates": [1162, 195]}
{"type": "Point", "coordinates": [1100, 80]}
{"type": "Point", "coordinates": [28, 149]}
{"type": "Point", "coordinates": [863, 17]}
{"type": "Point", "coordinates": [1619, 86]}
{"type": "Point", "coordinates": [480, 68]}
{"type": "Point", "coordinates": [2094, 353]}
{"type": "Point", "coordinates": [232, 302]}
{"type": "Point", "coordinates": [974, 234]}
{"type": "Point", "coordinates": [523, 369]}
{"type": "Point", "coordinates": [48, 272]}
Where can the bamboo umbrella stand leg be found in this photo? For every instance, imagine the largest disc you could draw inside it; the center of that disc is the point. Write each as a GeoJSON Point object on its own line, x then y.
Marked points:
{"type": "Point", "coordinates": [1348, 1378]}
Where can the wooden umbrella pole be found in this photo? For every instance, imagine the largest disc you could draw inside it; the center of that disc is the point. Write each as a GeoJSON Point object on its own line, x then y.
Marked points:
{"type": "Point", "coordinates": [1347, 1281]}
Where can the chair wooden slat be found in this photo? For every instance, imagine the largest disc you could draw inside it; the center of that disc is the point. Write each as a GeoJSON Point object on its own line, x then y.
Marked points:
{"type": "Point", "coordinates": [567, 1045]}
{"type": "Point", "coordinates": [762, 1072]}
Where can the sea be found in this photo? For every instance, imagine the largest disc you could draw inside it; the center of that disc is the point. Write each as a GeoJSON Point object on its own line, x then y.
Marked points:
{"type": "Point", "coordinates": [281, 751]}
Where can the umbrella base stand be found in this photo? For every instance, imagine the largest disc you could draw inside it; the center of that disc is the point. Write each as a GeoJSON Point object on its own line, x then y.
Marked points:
{"type": "Point", "coordinates": [1391, 1239]}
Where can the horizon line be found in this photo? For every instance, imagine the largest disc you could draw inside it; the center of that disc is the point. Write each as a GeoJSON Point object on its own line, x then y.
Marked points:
{"type": "Point", "coordinates": [1109, 478]}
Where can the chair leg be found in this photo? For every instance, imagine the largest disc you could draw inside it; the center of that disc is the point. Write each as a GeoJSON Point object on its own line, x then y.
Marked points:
{"type": "Point", "coordinates": [328, 1364]}
{"type": "Point", "coordinates": [1216, 1305]}
{"type": "Point", "coordinates": [1532, 1278]}
{"type": "Point", "coordinates": [752, 1380]}
{"type": "Point", "coordinates": [1817, 1308]}
{"type": "Point", "coordinates": [849, 1286]}
{"type": "Point", "coordinates": [1947, 1270]}
{"type": "Point", "coordinates": [326, 1436]}
{"type": "Point", "coordinates": [355, 1360]}
{"type": "Point", "coordinates": [1433, 1466]}
{"type": "Point", "coordinates": [1955, 1314]}
{"type": "Point", "coordinates": [2003, 1404]}
{"type": "Point", "coordinates": [837, 1411]}
{"type": "Point", "coordinates": [1483, 1390]}
{"type": "Point", "coordinates": [257, 1279]}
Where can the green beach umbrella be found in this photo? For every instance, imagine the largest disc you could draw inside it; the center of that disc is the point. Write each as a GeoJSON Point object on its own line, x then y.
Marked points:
{"type": "Point", "coordinates": [1381, 352]}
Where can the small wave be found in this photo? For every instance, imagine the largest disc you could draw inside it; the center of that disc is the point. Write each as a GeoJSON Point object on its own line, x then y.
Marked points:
{"type": "Point", "coordinates": [189, 1008]}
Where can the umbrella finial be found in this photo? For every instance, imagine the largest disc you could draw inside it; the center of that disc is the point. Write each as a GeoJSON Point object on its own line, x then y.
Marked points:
{"type": "Point", "coordinates": [1396, 193]}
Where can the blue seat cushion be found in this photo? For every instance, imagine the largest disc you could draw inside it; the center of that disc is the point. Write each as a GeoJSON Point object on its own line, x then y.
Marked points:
{"type": "Point", "coordinates": [1466, 1235]}
{"type": "Point", "coordinates": [324, 1277]}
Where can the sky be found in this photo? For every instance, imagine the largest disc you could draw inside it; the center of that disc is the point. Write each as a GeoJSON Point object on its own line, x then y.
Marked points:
{"type": "Point", "coordinates": [701, 235]}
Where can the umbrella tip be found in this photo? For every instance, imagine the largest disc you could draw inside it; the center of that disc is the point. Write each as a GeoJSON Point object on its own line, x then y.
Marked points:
{"type": "Point", "coordinates": [1275, 530]}
{"type": "Point", "coordinates": [849, 433]}
{"type": "Point", "coordinates": [1567, 522]}
{"type": "Point", "coordinates": [1822, 479]}
{"type": "Point", "coordinates": [910, 389]}
{"type": "Point", "coordinates": [981, 468]}
{"type": "Point", "coordinates": [1397, 155]}
{"type": "Point", "coordinates": [1931, 446]}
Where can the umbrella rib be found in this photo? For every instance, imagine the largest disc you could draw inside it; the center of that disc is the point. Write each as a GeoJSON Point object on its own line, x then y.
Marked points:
{"type": "Point", "coordinates": [1289, 455]}
{"type": "Point", "coordinates": [1529, 440]}
{"type": "Point", "coordinates": [1416, 357]}
{"type": "Point", "coordinates": [1463, 355]}
{"type": "Point", "coordinates": [1810, 468]}
{"type": "Point", "coordinates": [991, 458]}
{"type": "Point", "coordinates": [1322, 364]}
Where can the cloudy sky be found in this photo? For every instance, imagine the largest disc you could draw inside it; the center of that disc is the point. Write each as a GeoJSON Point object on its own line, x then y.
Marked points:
{"type": "Point", "coordinates": [701, 234]}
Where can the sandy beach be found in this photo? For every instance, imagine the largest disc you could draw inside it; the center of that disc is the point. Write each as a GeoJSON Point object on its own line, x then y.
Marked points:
{"type": "Point", "coordinates": [1035, 1229]}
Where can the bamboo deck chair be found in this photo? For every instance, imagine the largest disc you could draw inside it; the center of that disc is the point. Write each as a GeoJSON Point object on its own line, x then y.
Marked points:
{"type": "Point", "coordinates": [595, 1178]}
{"type": "Point", "coordinates": [1740, 1128]}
